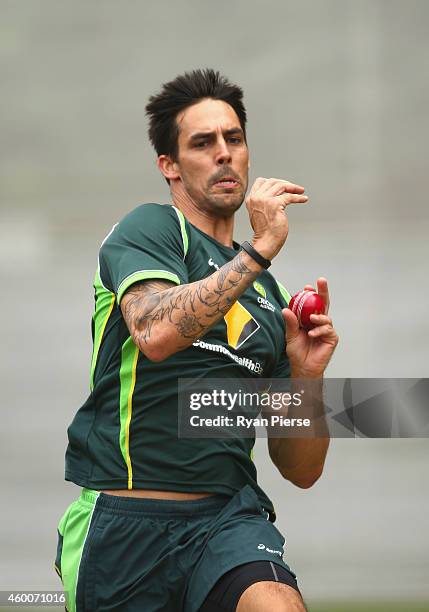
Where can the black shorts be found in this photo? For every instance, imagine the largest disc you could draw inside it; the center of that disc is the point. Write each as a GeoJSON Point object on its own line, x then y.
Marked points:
{"type": "Point", "coordinates": [126, 554]}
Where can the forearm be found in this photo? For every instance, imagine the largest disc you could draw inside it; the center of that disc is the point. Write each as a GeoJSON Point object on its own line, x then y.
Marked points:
{"type": "Point", "coordinates": [301, 460]}
{"type": "Point", "coordinates": [170, 320]}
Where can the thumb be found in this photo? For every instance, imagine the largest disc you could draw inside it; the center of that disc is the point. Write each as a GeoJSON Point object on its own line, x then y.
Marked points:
{"type": "Point", "coordinates": [292, 325]}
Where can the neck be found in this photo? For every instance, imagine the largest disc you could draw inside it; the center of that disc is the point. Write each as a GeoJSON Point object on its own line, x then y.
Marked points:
{"type": "Point", "coordinates": [218, 227]}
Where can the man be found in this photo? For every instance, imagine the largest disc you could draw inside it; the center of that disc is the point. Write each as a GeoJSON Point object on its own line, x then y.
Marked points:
{"type": "Point", "coordinates": [169, 523]}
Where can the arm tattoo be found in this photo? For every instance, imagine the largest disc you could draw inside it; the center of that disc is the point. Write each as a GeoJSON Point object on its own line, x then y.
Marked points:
{"type": "Point", "coordinates": [192, 309]}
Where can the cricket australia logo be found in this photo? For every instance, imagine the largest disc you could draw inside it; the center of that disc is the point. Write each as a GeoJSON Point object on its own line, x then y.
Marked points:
{"type": "Point", "coordinates": [262, 299]}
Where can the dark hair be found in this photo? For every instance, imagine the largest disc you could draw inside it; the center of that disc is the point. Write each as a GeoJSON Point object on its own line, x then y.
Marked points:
{"type": "Point", "coordinates": [185, 90]}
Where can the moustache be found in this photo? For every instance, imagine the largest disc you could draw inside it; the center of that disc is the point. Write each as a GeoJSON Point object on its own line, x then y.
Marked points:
{"type": "Point", "coordinates": [225, 172]}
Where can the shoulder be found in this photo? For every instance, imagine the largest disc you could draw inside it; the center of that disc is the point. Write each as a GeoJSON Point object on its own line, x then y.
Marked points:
{"type": "Point", "coordinates": [147, 213]}
{"type": "Point", "coordinates": [149, 221]}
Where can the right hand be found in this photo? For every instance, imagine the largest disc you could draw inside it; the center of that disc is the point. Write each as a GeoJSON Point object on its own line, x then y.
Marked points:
{"type": "Point", "coordinates": [266, 204]}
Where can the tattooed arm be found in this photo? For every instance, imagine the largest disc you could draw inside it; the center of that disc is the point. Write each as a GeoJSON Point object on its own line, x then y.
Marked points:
{"type": "Point", "coordinates": [164, 318]}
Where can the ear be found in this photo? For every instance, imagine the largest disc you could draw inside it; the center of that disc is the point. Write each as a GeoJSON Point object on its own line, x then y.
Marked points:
{"type": "Point", "coordinates": [168, 167]}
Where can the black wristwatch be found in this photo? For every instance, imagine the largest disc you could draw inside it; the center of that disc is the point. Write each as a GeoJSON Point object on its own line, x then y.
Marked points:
{"type": "Point", "coordinates": [262, 261]}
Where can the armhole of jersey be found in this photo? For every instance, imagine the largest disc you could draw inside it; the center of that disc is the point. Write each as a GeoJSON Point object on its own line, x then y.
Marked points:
{"type": "Point", "coordinates": [182, 223]}
{"type": "Point", "coordinates": [142, 275]}
{"type": "Point", "coordinates": [284, 292]}
{"type": "Point", "coordinates": [98, 276]}
{"type": "Point", "coordinates": [104, 303]}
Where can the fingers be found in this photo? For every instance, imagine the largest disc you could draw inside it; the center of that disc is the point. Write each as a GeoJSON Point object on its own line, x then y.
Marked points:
{"type": "Point", "coordinates": [324, 328]}
{"type": "Point", "coordinates": [324, 331]}
{"type": "Point", "coordinates": [256, 185]}
{"type": "Point", "coordinates": [322, 290]}
{"type": "Point", "coordinates": [294, 199]}
{"type": "Point", "coordinates": [284, 192]}
{"type": "Point", "coordinates": [292, 325]}
{"type": "Point", "coordinates": [320, 319]}
{"type": "Point", "coordinates": [289, 192]}
{"type": "Point", "coordinates": [275, 186]}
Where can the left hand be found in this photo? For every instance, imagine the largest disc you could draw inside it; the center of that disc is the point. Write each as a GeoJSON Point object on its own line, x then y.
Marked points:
{"type": "Point", "coordinates": [310, 352]}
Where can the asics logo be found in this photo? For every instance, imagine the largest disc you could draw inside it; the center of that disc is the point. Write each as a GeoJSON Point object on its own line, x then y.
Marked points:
{"type": "Point", "coordinates": [270, 550]}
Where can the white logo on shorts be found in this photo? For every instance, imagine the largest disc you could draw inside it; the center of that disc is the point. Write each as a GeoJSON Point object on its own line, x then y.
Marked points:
{"type": "Point", "coordinates": [270, 550]}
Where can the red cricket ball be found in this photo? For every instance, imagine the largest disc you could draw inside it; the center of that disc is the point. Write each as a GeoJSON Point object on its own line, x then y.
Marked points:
{"type": "Point", "coordinates": [304, 304]}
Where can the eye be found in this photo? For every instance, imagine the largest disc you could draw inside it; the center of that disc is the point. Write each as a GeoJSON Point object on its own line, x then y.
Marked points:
{"type": "Point", "coordinates": [201, 144]}
{"type": "Point", "coordinates": [234, 139]}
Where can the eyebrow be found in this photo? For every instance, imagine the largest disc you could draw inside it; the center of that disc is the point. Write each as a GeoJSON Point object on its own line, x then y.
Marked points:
{"type": "Point", "coordinates": [230, 132]}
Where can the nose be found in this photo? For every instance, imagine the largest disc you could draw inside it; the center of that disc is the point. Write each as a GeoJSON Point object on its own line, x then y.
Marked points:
{"type": "Point", "coordinates": [223, 155]}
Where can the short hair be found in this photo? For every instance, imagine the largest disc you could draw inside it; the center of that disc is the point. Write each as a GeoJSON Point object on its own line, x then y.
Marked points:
{"type": "Point", "coordinates": [186, 90]}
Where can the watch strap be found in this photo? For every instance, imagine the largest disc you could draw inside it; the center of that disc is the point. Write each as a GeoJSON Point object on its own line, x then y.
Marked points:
{"type": "Point", "coordinates": [262, 261]}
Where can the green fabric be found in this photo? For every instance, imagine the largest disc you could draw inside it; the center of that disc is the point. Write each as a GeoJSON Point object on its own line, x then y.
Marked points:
{"type": "Point", "coordinates": [147, 554]}
{"type": "Point", "coordinates": [149, 239]}
{"type": "Point", "coordinates": [183, 229]}
{"type": "Point", "coordinates": [104, 302]}
{"type": "Point", "coordinates": [127, 376]}
{"type": "Point", "coordinates": [126, 435]}
{"type": "Point", "coordinates": [145, 275]}
{"type": "Point", "coordinates": [74, 527]}
{"type": "Point", "coordinates": [285, 293]}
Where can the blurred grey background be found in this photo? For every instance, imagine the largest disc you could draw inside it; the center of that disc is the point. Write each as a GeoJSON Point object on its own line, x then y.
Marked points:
{"type": "Point", "coordinates": [337, 100]}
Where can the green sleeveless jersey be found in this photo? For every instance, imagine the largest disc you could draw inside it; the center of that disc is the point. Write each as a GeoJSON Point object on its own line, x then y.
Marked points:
{"type": "Point", "coordinates": [125, 434]}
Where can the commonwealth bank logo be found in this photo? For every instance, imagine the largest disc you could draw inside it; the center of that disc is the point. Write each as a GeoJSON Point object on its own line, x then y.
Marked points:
{"type": "Point", "coordinates": [240, 325]}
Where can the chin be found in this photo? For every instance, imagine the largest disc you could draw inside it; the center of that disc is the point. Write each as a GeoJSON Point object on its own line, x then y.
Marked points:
{"type": "Point", "coordinates": [225, 206]}
{"type": "Point", "coordinates": [227, 201]}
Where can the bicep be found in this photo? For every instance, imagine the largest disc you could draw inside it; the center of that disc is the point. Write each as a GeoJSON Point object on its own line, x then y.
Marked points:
{"type": "Point", "coordinates": [140, 299]}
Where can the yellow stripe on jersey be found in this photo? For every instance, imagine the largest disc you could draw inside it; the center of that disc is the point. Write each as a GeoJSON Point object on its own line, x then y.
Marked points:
{"type": "Point", "coordinates": [127, 375]}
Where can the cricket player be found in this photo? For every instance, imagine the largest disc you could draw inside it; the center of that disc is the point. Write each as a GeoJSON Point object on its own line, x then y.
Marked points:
{"type": "Point", "coordinates": [165, 523]}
